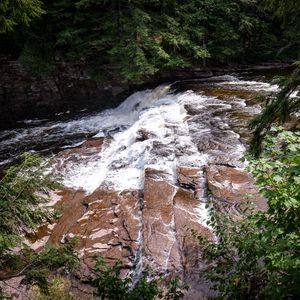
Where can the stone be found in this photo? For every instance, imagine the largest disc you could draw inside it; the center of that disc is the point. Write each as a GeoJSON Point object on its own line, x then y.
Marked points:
{"type": "Point", "coordinates": [160, 244]}
{"type": "Point", "coordinates": [25, 95]}
{"type": "Point", "coordinates": [108, 224]}
{"type": "Point", "coordinates": [233, 186]}
{"type": "Point", "coordinates": [93, 142]}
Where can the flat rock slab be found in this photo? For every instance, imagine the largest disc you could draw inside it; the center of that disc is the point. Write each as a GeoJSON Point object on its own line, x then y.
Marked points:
{"type": "Point", "coordinates": [233, 186]}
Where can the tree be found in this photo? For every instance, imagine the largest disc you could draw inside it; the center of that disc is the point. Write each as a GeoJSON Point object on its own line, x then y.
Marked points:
{"type": "Point", "coordinates": [280, 108]}
{"type": "Point", "coordinates": [24, 192]}
{"type": "Point", "coordinates": [18, 12]}
{"type": "Point", "coordinates": [137, 39]}
{"type": "Point", "coordinates": [282, 8]}
{"type": "Point", "coordinates": [23, 195]}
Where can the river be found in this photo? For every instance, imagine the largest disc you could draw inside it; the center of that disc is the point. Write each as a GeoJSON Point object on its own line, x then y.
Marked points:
{"type": "Point", "coordinates": [47, 136]}
{"type": "Point", "coordinates": [136, 178]}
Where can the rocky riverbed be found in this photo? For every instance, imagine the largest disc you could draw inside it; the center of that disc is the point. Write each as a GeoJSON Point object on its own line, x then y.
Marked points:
{"type": "Point", "coordinates": [135, 189]}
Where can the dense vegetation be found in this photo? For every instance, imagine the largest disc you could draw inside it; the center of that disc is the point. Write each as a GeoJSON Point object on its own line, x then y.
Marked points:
{"type": "Point", "coordinates": [36, 267]}
{"type": "Point", "coordinates": [284, 104]}
{"type": "Point", "coordinates": [136, 39]}
{"type": "Point", "coordinates": [14, 12]}
{"type": "Point", "coordinates": [23, 196]}
{"type": "Point", "coordinates": [258, 257]}
{"type": "Point", "coordinates": [24, 193]}
{"type": "Point", "coordinates": [281, 108]}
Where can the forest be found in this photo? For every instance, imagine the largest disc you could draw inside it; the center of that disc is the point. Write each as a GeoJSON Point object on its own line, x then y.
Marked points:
{"type": "Point", "coordinates": [140, 38]}
{"type": "Point", "coordinates": [251, 254]}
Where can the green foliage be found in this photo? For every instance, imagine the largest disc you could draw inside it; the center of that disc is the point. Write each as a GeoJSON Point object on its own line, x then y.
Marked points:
{"type": "Point", "coordinates": [23, 195]}
{"type": "Point", "coordinates": [137, 39]}
{"type": "Point", "coordinates": [50, 260]}
{"type": "Point", "coordinates": [57, 290]}
{"type": "Point", "coordinates": [110, 285]}
{"type": "Point", "coordinates": [277, 174]}
{"type": "Point", "coordinates": [175, 290]}
{"type": "Point", "coordinates": [37, 268]}
{"type": "Point", "coordinates": [280, 108]}
{"type": "Point", "coordinates": [236, 31]}
{"type": "Point", "coordinates": [283, 105]}
{"type": "Point", "coordinates": [18, 12]}
{"type": "Point", "coordinates": [289, 12]}
{"type": "Point", "coordinates": [281, 8]}
{"type": "Point", "coordinates": [258, 257]}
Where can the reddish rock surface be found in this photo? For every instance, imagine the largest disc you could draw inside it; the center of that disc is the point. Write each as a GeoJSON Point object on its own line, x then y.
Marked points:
{"type": "Point", "coordinates": [107, 223]}
{"type": "Point", "coordinates": [151, 229]}
{"type": "Point", "coordinates": [233, 186]}
{"type": "Point", "coordinates": [90, 148]}
{"type": "Point", "coordinates": [160, 244]}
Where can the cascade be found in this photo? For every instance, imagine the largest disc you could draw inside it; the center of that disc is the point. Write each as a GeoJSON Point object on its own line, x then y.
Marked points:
{"type": "Point", "coordinates": [136, 178]}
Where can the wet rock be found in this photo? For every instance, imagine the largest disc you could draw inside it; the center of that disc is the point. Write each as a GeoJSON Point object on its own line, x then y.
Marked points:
{"type": "Point", "coordinates": [72, 207]}
{"type": "Point", "coordinates": [209, 127]}
{"type": "Point", "coordinates": [108, 225]}
{"type": "Point", "coordinates": [193, 179]}
{"type": "Point", "coordinates": [160, 244]}
{"type": "Point", "coordinates": [189, 215]}
{"type": "Point", "coordinates": [66, 159]}
{"type": "Point", "coordinates": [24, 94]}
{"type": "Point", "coordinates": [169, 215]}
{"type": "Point", "coordinates": [233, 186]}
{"type": "Point", "coordinates": [94, 142]}
{"type": "Point", "coordinates": [161, 150]}
{"type": "Point", "coordinates": [143, 135]}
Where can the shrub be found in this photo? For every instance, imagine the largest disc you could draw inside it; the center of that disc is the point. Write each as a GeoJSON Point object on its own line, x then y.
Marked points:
{"type": "Point", "coordinates": [23, 191]}
{"type": "Point", "coordinates": [110, 285]}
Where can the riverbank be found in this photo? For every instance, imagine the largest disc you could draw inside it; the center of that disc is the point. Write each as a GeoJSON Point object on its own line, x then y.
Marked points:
{"type": "Point", "coordinates": [71, 91]}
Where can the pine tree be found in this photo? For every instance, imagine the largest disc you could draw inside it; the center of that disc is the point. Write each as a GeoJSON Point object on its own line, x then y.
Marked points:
{"type": "Point", "coordinates": [18, 12]}
{"type": "Point", "coordinates": [23, 191]}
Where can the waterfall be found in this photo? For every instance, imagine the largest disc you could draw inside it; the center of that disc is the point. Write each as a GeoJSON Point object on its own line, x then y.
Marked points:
{"type": "Point", "coordinates": [152, 133]}
{"type": "Point", "coordinates": [137, 177]}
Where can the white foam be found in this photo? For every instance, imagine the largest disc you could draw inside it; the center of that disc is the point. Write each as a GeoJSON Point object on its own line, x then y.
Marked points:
{"type": "Point", "coordinates": [250, 85]}
{"type": "Point", "coordinates": [203, 214]}
{"type": "Point", "coordinates": [150, 129]}
{"type": "Point", "coordinates": [156, 136]}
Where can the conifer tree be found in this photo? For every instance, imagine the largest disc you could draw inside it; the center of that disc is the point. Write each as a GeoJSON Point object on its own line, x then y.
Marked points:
{"type": "Point", "coordinates": [18, 12]}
